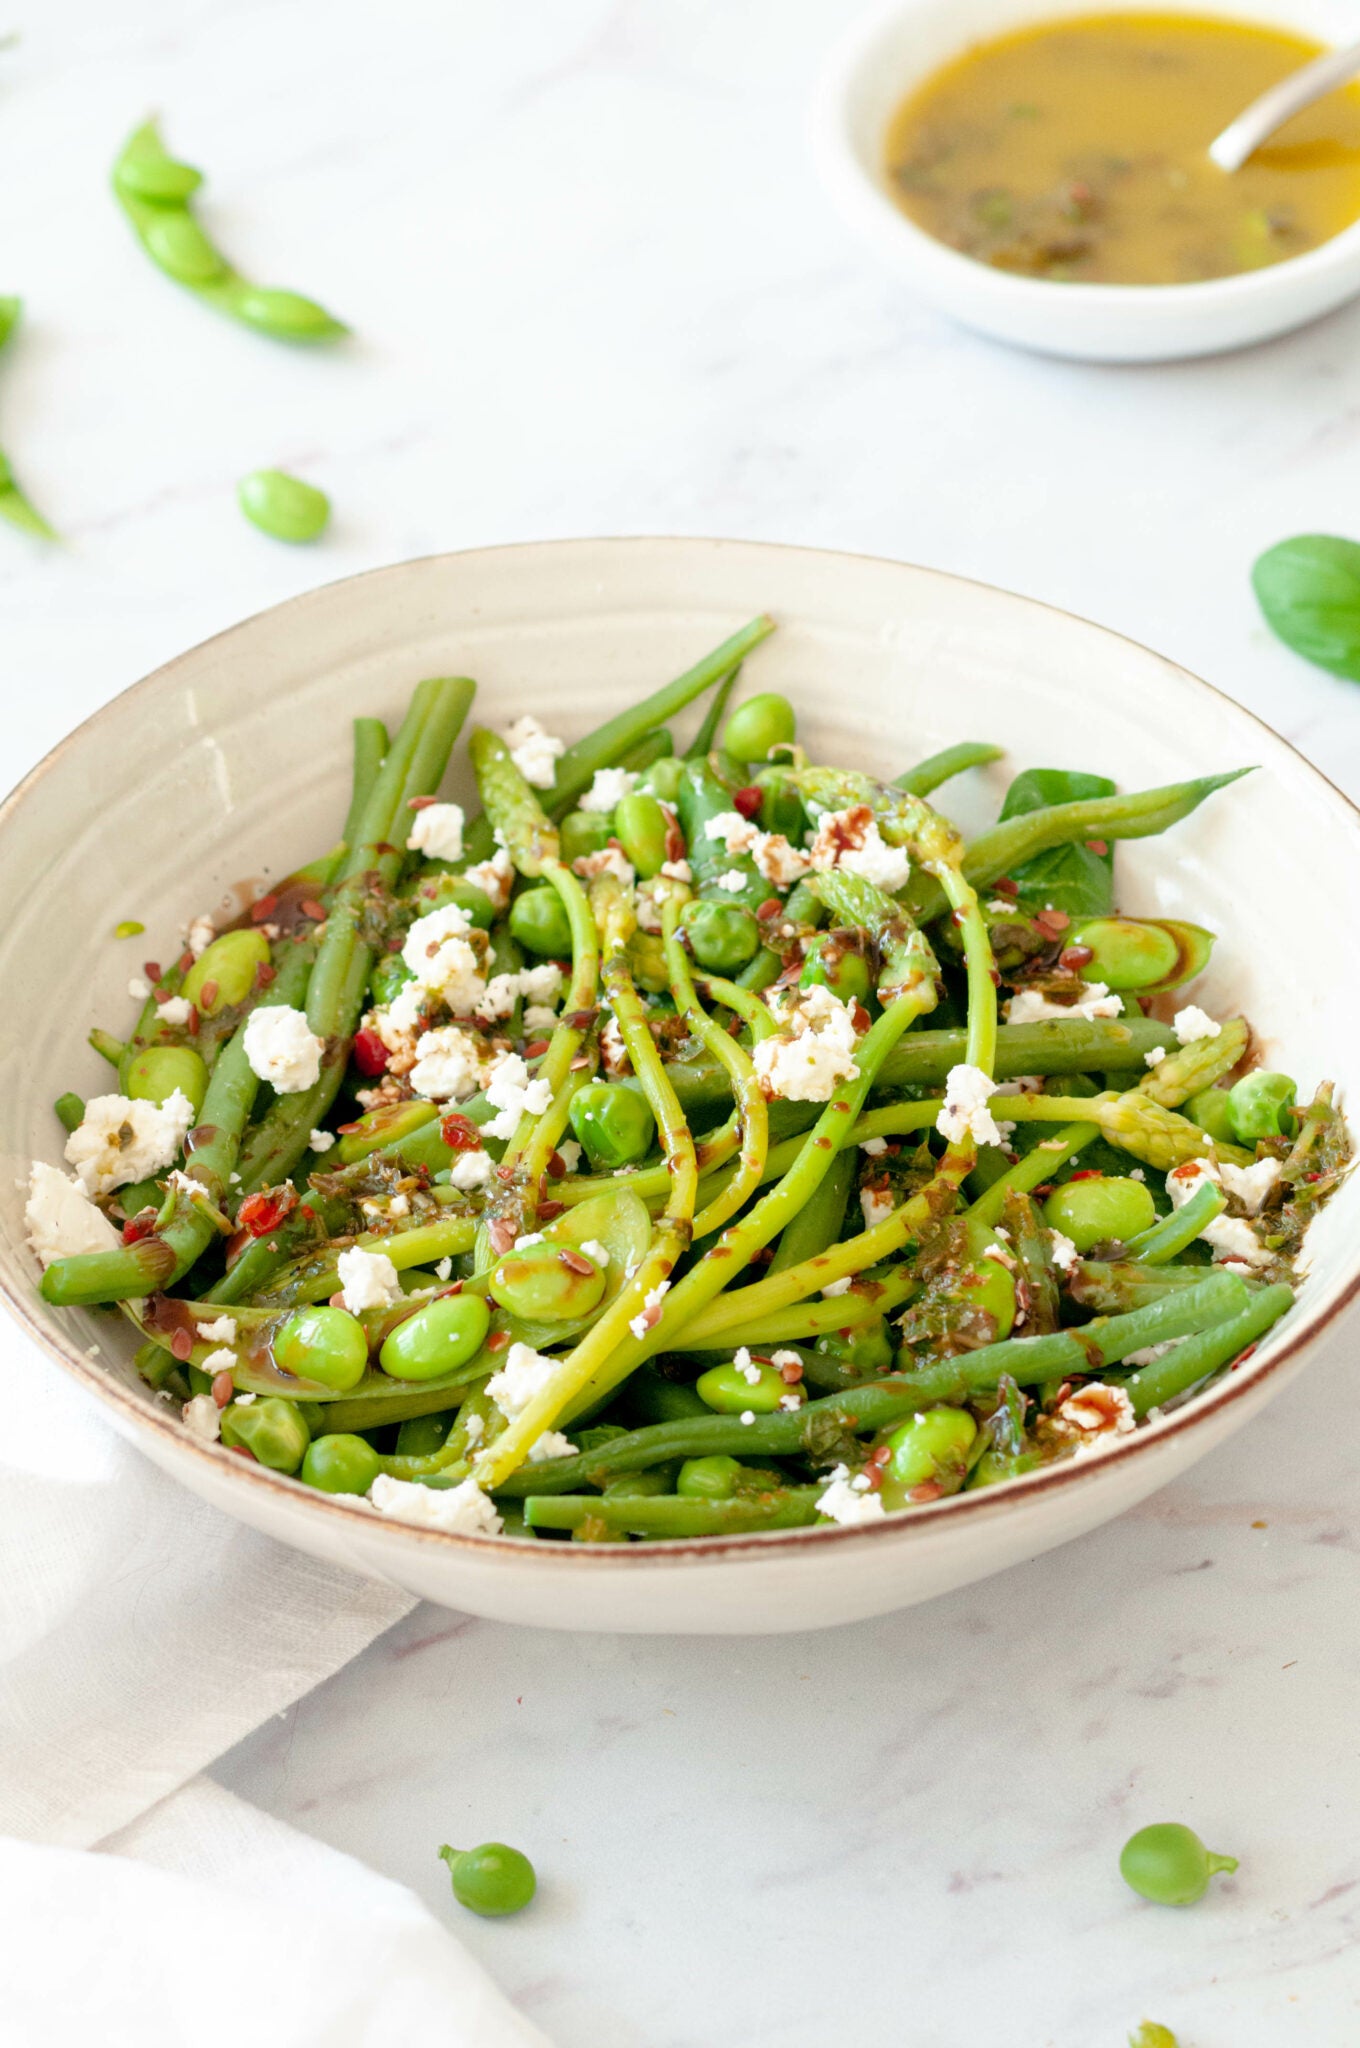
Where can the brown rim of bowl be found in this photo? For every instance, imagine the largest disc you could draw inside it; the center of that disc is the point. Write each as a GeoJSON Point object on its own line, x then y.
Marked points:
{"type": "Point", "coordinates": [756, 1544]}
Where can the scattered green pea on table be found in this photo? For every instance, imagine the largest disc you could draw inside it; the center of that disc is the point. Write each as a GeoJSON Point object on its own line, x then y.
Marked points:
{"type": "Point", "coordinates": [283, 506]}
{"type": "Point", "coordinates": [1151, 2035]}
{"type": "Point", "coordinates": [1169, 1864]}
{"type": "Point", "coordinates": [491, 1879]}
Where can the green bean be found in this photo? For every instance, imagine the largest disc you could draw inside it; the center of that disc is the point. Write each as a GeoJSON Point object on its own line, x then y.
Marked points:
{"type": "Point", "coordinates": [816, 1228]}
{"type": "Point", "coordinates": [314, 1276]}
{"type": "Point", "coordinates": [705, 739]}
{"type": "Point", "coordinates": [928, 775]}
{"type": "Point", "coordinates": [676, 1515]}
{"type": "Point", "coordinates": [283, 506]}
{"type": "Point", "coordinates": [1113, 1287]}
{"type": "Point", "coordinates": [154, 191]}
{"type": "Point", "coordinates": [370, 751]}
{"type": "Point", "coordinates": [803, 1321]}
{"type": "Point", "coordinates": [1006, 846]}
{"type": "Point", "coordinates": [15, 506]}
{"type": "Point", "coordinates": [1205, 1352]}
{"type": "Point", "coordinates": [1168, 1237]}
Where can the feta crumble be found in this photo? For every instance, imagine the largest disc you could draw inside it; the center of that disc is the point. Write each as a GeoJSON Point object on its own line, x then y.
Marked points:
{"type": "Point", "coordinates": [610, 787]}
{"type": "Point", "coordinates": [851, 840]}
{"type": "Point", "coordinates": [174, 1011]}
{"type": "Point", "coordinates": [199, 935]}
{"type": "Point", "coordinates": [850, 1501]}
{"type": "Point", "coordinates": [877, 1205]}
{"type": "Point", "coordinates": [875, 1147]}
{"type": "Point", "coordinates": [440, 955]}
{"type": "Point", "coordinates": [437, 832]}
{"type": "Point", "coordinates": [652, 1300]}
{"type": "Point", "coordinates": [593, 1249]}
{"type": "Point", "coordinates": [222, 1330]}
{"type": "Point", "coordinates": [1098, 1410]}
{"type": "Point", "coordinates": [569, 1152]}
{"type": "Point", "coordinates": [119, 1140]}
{"type": "Point", "coordinates": [610, 860]}
{"type": "Point", "coordinates": [1155, 1055]}
{"type": "Point", "coordinates": [202, 1418]}
{"type": "Point", "coordinates": [1191, 1024]}
{"type": "Point", "coordinates": [320, 1141]}
{"type": "Point", "coordinates": [282, 1048]}
{"type": "Point", "coordinates": [734, 881]}
{"type": "Point", "coordinates": [511, 1092]}
{"type": "Point", "coordinates": [470, 1171]}
{"type": "Point", "coordinates": [367, 1280]}
{"type": "Point", "coordinates": [448, 1066]}
{"type": "Point", "coordinates": [552, 1444]}
{"type": "Point", "coordinates": [494, 877]}
{"type": "Point", "coordinates": [1062, 1251]}
{"type": "Point", "coordinates": [965, 1113]}
{"type": "Point", "coordinates": [524, 1376]}
{"type": "Point", "coordinates": [834, 1288]}
{"type": "Point", "coordinates": [677, 870]}
{"type": "Point", "coordinates": [812, 1052]}
{"type": "Point", "coordinates": [1250, 1185]}
{"type": "Point", "coordinates": [1231, 1236]}
{"type": "Point", "coordinates": [1028, 1006]}
{"type": "Point", "coordinates": [534, 752]}
{"type": "Point", "coordinates": [60, 1218]}
{"type": "Point", "coordinates": [462, 1510]}
{"type": "Point", "coordinates": [221, 1360]}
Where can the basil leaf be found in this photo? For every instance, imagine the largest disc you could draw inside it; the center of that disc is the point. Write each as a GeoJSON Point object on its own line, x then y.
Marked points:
{"type": "Point", "coordinates": [1309, 590]}
{"type": "Point", "coordinates": [1069, 878]}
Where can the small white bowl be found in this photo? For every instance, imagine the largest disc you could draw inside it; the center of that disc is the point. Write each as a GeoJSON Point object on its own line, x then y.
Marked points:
{"type": "Point", "coordinates": [887, 57]}
{"type": "Point", "coordinates": [233, 762]}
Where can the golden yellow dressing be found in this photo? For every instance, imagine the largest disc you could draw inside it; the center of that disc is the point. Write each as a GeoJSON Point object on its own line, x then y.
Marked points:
{"type": "Point", "coordinates": [1077, 151]}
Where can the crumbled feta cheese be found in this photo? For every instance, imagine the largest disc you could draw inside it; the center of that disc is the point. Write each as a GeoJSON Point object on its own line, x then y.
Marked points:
{"type": "Point", "coordinates": [610, 787]}
{"type": "Point", "coordinates": [448, 1066]}
{"type": "Point", "coordinates": [736, 833]}
{"type": "Point", "coordinates": [1230, 1236]}
{"type": "Point", "coordinates": [1098, 1409]}
{"type": "Point", "coordinates": [1028, 1006]}
{"type": "Point", "coordinates": [474, 1429]}
{"type": "Point", "coordinates": [850, 840]}
{"type": "Point", "coordinates": [875, 1147]}
{"type": "Point", "coordinates": [552, 1444]}
{"type": "Point", "coordinates": [512, 1093]}
{"type": "Point", "coordinates": [183, 1184]}
{"type": "Point", "coordinates": [1155, 1055]}
{"type": "Point", "coordinates": [199, 936]}
{"type": "Point", "coordinates": [400, 1205]}
{"type": "Point", "coordinates": [569, 1152]}
{"type": "Point", "coordinates": [1137, 1173]}
{"type": "Point", "coordinates": [837, 1287]}
{"type": "Point", "coordinates": [174, 1011]}
{"type": "Point", "coordinates": [282, 1048]}
{"type": "Point", "coordinates": [965, 1113]}
{"type": "Point", "coordinates": [523, 1377]}
{"type": "Point", "coordinates": [1000, 906]}
{"type": "Point", "coordinates": [651, 1301]}
{"type": "Point", "coordinates": [60, 1218]}
{"type": "Point", "coordinates": [610, 860]}
{"type": "Point", "coordinates": [613, 1051]}
{"type": "Point", "coordinates": [541, 984]}
{"type": "Point", "coordinates": [1191, 1024]}
{"type": "Point", "coordinates": [494, 877]}
{"type": "Point", "coordinates": [462, 1510]}
{"type": "Point", "coordinates": [747, 1417]}
{"type": "Point", "coordinates": [367, 1280]}
{"type": "Point", "coordinates": [217, 1361]}
{"type": "Point", "coordinates": [593, 1249]}
{"type": "Point", "coordinates": [1150, 1353]}
{"type": "Point", "coordinates": [849, 1502]}
{"type": "Point", "coordinates": [534, 752]}
{"type": "Point", "coordinates": [1250, 1185]}
{"type": "Point", "coordinates": [471, 1170]}
{"type": "Point", "coordinates": [877, 1204]}
{"type": "Point", "coordinates": [320, 1141]}
{"type": "Point", "coordinates": [529, 1237]}
{"type": "Point", "coordinates": [539, 1017]}
{"type": "Point", "coordinates": [202, 1418]}
{"type": "Point", "coordinates": [437, 832]}
{"type": "Point", "coordinates": [443, 1268]}
{"type": "Point", "coordinates": [677, 870]}
{"type": "Point", "coordinates": [139, 988]}
{"type": "Point", "coordinates": [243, 1400]}
{"type": "Point", "coordinates": [781, 863]}
{"type": "Point", "coordinates": [222, 1330]}
{"type": "Point", "coordinates": [812, 1052]}
{"type": "Point", "coordinates": [119, 1140]}
{"type": "Point", "coordinates": [442, 959]}
{"type": "Point", "coordinates": [734, 881]}
{"type": "Point", "coordinates": [1064, 1253]}
{"type": "Point", "coordinates": [747, 1367]}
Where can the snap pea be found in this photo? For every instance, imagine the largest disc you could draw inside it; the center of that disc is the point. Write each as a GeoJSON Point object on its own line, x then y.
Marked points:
{"type": "Point", "coordinates": [15, 505]}
{"type": "Point", "coordinates": [283, 506]}
{"type": "Point", "coordinates": [154, 190]}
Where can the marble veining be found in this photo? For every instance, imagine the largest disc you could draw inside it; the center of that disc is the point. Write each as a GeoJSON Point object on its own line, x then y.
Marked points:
{"type": "Point", "coordinates": [597, 289]}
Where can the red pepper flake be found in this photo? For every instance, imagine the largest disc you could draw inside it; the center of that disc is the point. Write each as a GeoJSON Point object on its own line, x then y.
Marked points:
{"type": "Point", "coordinates": [548, 1210]}
{"type": "Point", "coordinates": [929, 1489]}
{"type": "Point", "coordinates": [420, 803]}
{"type": "Point", "coordinates": [182, 1345]}
{"type": "Point", "coordinates": [151, 969]}
{"type": "Point", "coordinates": [209, 993]}
{"type": "Point", "coordinates": [1006, 887]}
{"type": "Point", "coordinates": [370, 1054]}
{"type": "Point", "coordinates": [260, 1213]}
{"type": "Point", "coordinates": [460, 1134]}
{"type": "Point", "coordinates": [141, 1225]}
{"type": "Point", "coordinates": [770, 908]}
{"type": "Point", "coordinates": [748, 801]}
{"type": "Point", "coordinates": [505, 1173]}
{"type": "Point", "coordinates": [223, 1387]}
{"type": "Point", "coordinates": [261, 912]}
{"type": "Point", "coordinates": [311, 908]}
{"type": "Point", "coordinates": [557, 1166]}
{"type": "Point", "coordinates": [243, 1451]}
{"type": "Point", "coordinates": [1096, 846]}
{"type": "Point", "coordinates": [1087, 1173]}
{"type": "Point", "coordinates": [577, 1262]}
{"type": "Point", "coordinates": [498, 1340]}
{"type": "Point", "coordinates": [1074, 958]}
{"type": "Point", "coordinates": [536, 1049]}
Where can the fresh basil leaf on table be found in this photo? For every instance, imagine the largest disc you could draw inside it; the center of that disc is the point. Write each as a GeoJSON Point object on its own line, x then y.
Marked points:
{"type": "Point", "coordinates": [1309, 591]}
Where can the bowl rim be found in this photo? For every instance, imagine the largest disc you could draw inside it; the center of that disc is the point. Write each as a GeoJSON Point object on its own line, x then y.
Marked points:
{"type": "Point", "coordinates": [355, 1515]}
{"type": "Point", "coordinates": [834, 132]}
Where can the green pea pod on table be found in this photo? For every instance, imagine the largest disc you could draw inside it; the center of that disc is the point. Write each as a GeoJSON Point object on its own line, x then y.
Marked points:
{"type": "Point", "coordinates": [15, 505]}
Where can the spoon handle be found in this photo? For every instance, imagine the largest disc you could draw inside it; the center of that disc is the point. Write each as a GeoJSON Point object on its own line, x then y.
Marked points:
{"type": "Point", "coordinates": [1231, 149]}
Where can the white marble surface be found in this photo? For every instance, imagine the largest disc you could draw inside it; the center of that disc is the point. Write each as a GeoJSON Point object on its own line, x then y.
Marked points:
{"type": "Point", "coordinates": [596, 289]}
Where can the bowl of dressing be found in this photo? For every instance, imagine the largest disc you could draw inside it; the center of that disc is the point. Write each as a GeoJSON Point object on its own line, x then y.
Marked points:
{"type": "Point", "coordinates": [1042, 172]}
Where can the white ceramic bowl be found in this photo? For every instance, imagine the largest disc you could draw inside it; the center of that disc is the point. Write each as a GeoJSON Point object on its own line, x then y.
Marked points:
{"type": "Point", "coordinates": [895, 51]}
{"type": "Point", "coordinates": [232, 762]}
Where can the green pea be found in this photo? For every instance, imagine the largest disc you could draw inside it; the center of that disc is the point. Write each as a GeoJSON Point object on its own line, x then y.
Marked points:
{"type": "Point", "coordinates": [289, 315]}
{"type": "Point", "coordinates": [340, 1464]}
{"type": "Point", "coordinates": [663, 778]}
{"type": "Point", "coordinates": [723, 937]}
{"type": "Point", "coordinates": [641, 828]}
{"type": "Point", "coordinates": [727, 1389]}
{"type": "Point", "coordinates": [539, 921]}
{"type": "Point", "coordinates": [1100, 1209]}
{"type": "Point", "coordinates": [1259, 1106]}
{"type": "Point", "coordinates": [179, 245]}
{"type": "Point", "coordinates": [1209, 1109]}
{"type": "Point", "coordinates": [582, 833]}
{"type": "Point", "coordinates": [283, 506]}
{"type": "Point", "coordinates": [712, 1478]}
{"type": "Point", "coordinates": [1169, 1864]}
{"type": "Point", "coordinates": [1128, 952]}
{"type": "Point", "coordinates": [272, 1429]}
{"type": "Point", "coordinates": [324, 1344]}
{"type": "Point", "coordinates": [548, 1283]}
{"type": "Point", "coordinates": [862, 1351]}
{"type": "Point", "coordinates": [490, 1879]}
{"type": "Point", "coordinates": [614, 1124]}
{"type": "Point", "coordinates": [390, 976]}
{"type": "Point", "coordinates": [987, 1288]}
{"type": "Point", "coordinates": [450, 888]}
{"type": "Point", "coordinates": [758, 725]}
{"type": "Point", "coordinates": [930, 1447]}
{"type": "Point", "coordinates": [154, 1075]}
{"type": "Point", "coordinates": [1150, 2035]}
{"type": "Point", "coordinates": [835, 962]}
{"type": "Point", "coordinates": [437, 1339]}
{"type": "Point", "coordinates": [420, 1436]}
{"type": "Point", "coordinates": [229, 965]}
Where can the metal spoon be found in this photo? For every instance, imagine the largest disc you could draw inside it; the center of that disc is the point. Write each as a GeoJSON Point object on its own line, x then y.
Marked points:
{"type": "Point", "coordinates": [1314, 81]}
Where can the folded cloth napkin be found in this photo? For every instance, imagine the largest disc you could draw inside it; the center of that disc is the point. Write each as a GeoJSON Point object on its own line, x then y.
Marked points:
{"type": "Point", "coordinates": [142, 1633]}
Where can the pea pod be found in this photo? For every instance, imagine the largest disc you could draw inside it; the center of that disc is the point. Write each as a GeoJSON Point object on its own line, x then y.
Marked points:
{"type": "Point", "coordinates": [155, 191]}
{"type": "Point", "coordinates": [929, 1450]}
{"type": "Point", "coordinates": [548, 1283]}
{"type": "Point", "coordinates": [15, 506]}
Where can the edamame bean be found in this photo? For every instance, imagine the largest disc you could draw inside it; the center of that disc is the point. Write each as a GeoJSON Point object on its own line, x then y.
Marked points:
{"type": "Point", "coordinates": [836, 962]}
{"type": "Point", "coordinates": [647, 962]}
{"type": "Point", "coordinates": [731, 1391]}
{"type": "Point", "coordinates": [224, 972]}
{"type": "Point", "coordinates": [154, 1075]}
{"type": "Point", "coordinates": [1169, 1864]}
{"type": "Point", "coordinates": [1127, 952]}
{"type": "Point", "coordinates": [539, 922]}
{"type": "Point", "coordinates": [490, 1879]}
{"type": "Point", "coordinates": [663, 778]}
{"type": "Point", "coordinates": [323, 1344]}
{"type": "Point", "coordinates": [722, 936]}
{"type": "Point", "coordinates": [614, 1124]}
{"type": "Point", "coordinates": [930, 1449]}
{"type": "Point", "coordinates": [1099, 1209]}
{"type": "Point", "coordinates": [712, 1478]}
{"type": "Point", "coordinates": [761, 723]}
{"type": "Point", "coordinates": [1259, 1106]}
{"type": "Point", "coordinates": [272, 1430]}
{"type": "Point", "coordinates": [283, 506]}
{"type": "Point", "coordinates": [861, 1351]}
{"type": "Point", "coordinates": [340, 1464]}
{"type": "Point", "coordinates": [547, 1283]}
{"type": "Point", "coordinates": [582, 833]}
{"type": "Point", "coordinates": [1209, 1109]}
{"type": "Point", "coordinates": [437, 1339]}
{"type": "Point", "coordinates": [641, 828]}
